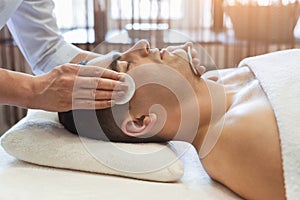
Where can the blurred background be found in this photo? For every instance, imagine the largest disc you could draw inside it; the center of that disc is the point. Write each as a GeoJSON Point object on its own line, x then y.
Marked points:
{"type": "Point", "coordinates": [229, 30]}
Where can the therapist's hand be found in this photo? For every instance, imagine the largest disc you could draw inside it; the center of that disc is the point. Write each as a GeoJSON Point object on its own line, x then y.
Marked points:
{"type": "Point", "coordinates": [77, 87]}
{"type": "Point", "coordinates": [196, 61]}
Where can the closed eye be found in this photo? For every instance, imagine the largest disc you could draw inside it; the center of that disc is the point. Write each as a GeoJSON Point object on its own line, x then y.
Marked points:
{"type": "Point", "coordinates": [114, 64]}
{"type": "Point", "coordinates": [128, 65]}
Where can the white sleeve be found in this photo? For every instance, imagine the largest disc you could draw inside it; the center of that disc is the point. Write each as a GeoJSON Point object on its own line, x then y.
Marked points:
{"type": "Point", "coordinates": [35, 31]}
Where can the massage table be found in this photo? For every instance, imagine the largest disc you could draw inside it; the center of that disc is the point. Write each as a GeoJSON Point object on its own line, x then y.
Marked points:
{"type": "Point", "coordinates": [20, 180]}
{"type": "Point", "coordinates": [278, 74]}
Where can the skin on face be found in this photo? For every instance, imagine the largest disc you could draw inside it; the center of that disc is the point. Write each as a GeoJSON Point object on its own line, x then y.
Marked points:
{"type": "Point", "coordinates": [141, 53]}
{"type": "Point", "coordinates": [140, 105]}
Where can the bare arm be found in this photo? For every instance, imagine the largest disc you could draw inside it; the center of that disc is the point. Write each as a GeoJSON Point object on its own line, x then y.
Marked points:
{"type": "Point", "coordinates": [64, 88]}
{"type": "Point", "coordinates": [15, 88]}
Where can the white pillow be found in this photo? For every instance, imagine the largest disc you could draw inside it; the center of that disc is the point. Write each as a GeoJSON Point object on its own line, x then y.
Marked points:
{"type": "Point", "coordinates": [39, 138]}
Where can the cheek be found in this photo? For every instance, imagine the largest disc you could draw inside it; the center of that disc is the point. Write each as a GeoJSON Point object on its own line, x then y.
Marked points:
{"type": "Point", "coordinates": [140, 102]}
{"type": "Point", "coordinates": [150, 95]}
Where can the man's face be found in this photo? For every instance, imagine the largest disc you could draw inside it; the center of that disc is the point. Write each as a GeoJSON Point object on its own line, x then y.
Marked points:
{"type": "Point", "coordinates": [141, 53]}
{"type": "Point", "coordinates": [161, 78]}
{"type": "Point", "coordinates": [163, 81]}
{"type": "Point", "coordinates": [164, 71]}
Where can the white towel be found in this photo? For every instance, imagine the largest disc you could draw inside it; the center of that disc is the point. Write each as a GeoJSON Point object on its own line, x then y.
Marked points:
{"type": "Point", "coordinates": [279, 75]}
{"type": "Point", "coordinates": [40, 139]}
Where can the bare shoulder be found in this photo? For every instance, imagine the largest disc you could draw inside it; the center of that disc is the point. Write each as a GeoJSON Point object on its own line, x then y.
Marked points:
{"type": "Point", "coordinates": [247, 156]}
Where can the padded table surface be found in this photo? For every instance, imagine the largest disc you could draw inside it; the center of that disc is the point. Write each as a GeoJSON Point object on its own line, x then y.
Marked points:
{"type": "Point", "coordinates": [21, 180]}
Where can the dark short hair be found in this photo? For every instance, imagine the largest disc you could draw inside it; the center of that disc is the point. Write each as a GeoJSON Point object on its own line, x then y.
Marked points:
{"type": "Point", "coordinates": [100, 125]}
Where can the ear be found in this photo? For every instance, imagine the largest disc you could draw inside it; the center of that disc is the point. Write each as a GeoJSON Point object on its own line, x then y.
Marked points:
{"type": "Point", "coordinates": [139, 127]}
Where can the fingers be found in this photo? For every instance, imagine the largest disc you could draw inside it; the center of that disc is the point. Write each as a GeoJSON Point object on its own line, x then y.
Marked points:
{"type": "Point", "coordinates": [172, 48]}
{"type": "Point", "coordinates": [79, 87]}
{"type": "Point", "coordinates": [196, 61]}
{"type": "Point", "coordinates": [185, 47]}
{"type": "Point", "coordinates": [200, 70]}
{"type": "Point", "coordinates": [194, 51]}
{"type": "Point", "coordinates": [107, 73]}
{"type": "Point", "coordinates": [97, 95]}
{"type": "Point", "coordinates": [91, 104]}
{"type": "Point", "coordinates": [95, 99]}
{"type": "Point", "coordinates": [100, 84]}
{"type": "Point", "coordinates": [93, 71]}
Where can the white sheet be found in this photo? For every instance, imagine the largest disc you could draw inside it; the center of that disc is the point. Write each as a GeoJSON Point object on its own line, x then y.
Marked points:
{"type": "Point", "coordinates": [279, 75]}
{"type": "Point", "coordinates": [23, 181]}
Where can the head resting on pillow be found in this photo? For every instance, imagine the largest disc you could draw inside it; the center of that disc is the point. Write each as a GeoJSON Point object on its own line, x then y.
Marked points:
{"type": "Point", "coordinates": [155, 112]}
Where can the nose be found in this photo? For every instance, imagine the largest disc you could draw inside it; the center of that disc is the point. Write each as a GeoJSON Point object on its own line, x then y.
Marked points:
{"type": "Point", "coordinates": [142, 46]}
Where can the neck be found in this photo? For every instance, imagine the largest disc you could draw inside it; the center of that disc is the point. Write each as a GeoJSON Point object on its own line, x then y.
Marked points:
{"type": "Point", "coordinates": [213, 104]}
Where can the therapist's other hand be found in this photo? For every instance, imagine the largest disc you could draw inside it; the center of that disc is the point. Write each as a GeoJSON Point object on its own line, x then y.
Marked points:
{"type": "Point", "coordinates": [71, 86]}
{"type": "Point", "coordinates": [196, 61]}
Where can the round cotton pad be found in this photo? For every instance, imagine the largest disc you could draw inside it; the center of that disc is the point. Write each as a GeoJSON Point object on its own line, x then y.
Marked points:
{"type": "Point", "coordinates": [131, 89]}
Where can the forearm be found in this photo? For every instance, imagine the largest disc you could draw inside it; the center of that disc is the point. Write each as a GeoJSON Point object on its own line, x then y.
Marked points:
{"type": "Point", "coordinates": [38, 37]}
{"type": "Point", "coordinates": [16, 88]}
{"type": "Point", "coordinates": [64, 88]}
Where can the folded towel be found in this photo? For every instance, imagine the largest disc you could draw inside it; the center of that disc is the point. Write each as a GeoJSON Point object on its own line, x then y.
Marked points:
{"type": "Point", "coordinates": [279, 75]}
{"type": "Point", "coordinates": [40, 139]}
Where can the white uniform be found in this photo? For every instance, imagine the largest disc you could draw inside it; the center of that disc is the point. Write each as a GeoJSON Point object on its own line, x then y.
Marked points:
{"type": "Point", "coordinates": [34, 28]}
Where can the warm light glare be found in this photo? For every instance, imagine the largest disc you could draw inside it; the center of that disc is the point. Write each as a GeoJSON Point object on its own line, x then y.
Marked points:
{"type": "Point", "coordinates": [146, 9]}
{"type": "Point", "coordinates": [261, 2]}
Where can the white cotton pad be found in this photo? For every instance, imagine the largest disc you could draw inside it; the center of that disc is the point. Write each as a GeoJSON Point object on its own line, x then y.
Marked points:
{"type": "Point", "coordinates": [189, 54]}
{"type": "Point", "coordinates": [131, 89]}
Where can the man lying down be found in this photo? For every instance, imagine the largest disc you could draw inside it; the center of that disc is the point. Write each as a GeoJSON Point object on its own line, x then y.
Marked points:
{"type": "Point", "coordinates": [227, 117]}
